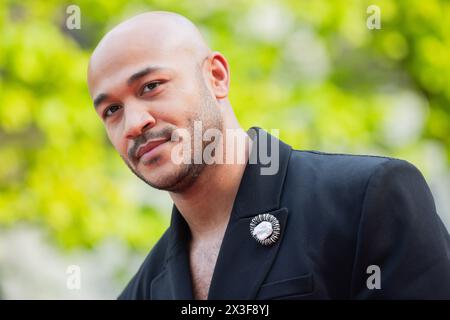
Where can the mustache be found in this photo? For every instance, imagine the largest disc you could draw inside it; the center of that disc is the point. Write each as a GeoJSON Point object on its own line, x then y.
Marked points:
{"type": "Point", "coordinates": [164, 133]}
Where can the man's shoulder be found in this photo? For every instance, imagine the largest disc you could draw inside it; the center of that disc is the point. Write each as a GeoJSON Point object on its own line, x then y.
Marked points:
{"type": "Point", "coordinates": [342, 166]}
{"type": "Point", "coordinates": [339, 174]}
{"type": "Point", "coordinates": [139, 285]}
{"type": "Point", "coordinates": [338, 159]}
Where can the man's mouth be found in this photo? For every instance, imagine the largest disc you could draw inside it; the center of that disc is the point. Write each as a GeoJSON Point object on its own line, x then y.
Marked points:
{"type": "Point", "coordinates": [146, 150]}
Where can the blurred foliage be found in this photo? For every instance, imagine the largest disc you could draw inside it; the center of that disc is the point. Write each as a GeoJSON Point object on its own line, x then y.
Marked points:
{"type": "Point", "coordinates": [310, 68]}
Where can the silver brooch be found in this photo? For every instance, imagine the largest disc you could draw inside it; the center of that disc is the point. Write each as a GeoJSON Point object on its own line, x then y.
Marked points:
{"type": "Point", "coordinates": [265, 228]}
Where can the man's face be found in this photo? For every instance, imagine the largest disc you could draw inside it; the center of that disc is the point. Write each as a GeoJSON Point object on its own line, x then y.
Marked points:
{"type": "Point", "coordinates": [142, 96]}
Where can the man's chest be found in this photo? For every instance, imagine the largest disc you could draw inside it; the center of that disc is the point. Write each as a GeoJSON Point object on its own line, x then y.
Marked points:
{"type": "Point", "coordinates": [202, 260]}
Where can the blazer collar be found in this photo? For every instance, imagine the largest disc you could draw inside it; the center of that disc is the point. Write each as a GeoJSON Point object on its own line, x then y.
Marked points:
{"type": "Point", "coordinates": [260, 193]}
{"type": "Point", "coordinates": [242, 263]}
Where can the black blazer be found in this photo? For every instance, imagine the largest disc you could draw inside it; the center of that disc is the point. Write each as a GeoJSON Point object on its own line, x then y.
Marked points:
{"type": "Point", "coordinates": [339, 214]}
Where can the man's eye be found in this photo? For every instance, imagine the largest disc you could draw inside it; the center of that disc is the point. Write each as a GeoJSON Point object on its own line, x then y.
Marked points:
{"type": "Point", "coordinates": [150, 86]}
{"type": "Point", "coordinates": [110, 110]}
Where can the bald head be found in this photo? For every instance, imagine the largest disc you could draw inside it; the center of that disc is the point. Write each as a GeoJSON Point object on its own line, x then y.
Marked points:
{"type": "Point", "coordinates": [149, 35]}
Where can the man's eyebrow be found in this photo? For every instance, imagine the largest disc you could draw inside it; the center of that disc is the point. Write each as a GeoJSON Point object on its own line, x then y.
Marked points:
{"type": "Point", "coordinates": [134, 77]}
{"type": "Point", "coordinates": [99, 99]}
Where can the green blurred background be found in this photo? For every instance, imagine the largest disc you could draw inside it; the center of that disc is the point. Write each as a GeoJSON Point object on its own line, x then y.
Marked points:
{"type": "Point", "coordinates": [309, 68]}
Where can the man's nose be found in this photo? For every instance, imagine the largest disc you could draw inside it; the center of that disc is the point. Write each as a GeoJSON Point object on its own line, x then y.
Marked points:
{"type": "Point", "coordinates": [137, 120]}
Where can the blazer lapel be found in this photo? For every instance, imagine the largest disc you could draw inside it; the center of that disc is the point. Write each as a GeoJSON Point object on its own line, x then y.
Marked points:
{"type": "Point", "coordinates": [243, 263]}
{"type": "Point", "coordinates": [175, 280]}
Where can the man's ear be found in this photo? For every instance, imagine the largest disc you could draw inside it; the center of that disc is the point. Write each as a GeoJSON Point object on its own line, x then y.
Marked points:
{"type": "Point", "coordinates": [220, 75]}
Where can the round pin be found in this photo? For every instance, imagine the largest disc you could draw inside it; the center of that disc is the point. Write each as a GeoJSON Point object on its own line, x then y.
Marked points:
{"type": "Point", "coordinates": [265, 228]}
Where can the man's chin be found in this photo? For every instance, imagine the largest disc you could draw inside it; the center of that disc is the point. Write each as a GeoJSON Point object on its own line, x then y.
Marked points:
{"type": "Point", "coordinates": [175, 180]}
{"type": "Point", "coordinates": [165, 176]}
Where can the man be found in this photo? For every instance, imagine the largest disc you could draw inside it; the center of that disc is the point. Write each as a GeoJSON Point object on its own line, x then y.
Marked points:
{"type": "Point", "coordinates": [318, 226]}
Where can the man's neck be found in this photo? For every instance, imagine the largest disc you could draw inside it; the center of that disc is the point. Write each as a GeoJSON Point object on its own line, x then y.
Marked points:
{"type": "Point", "coordinates": [207, 204]}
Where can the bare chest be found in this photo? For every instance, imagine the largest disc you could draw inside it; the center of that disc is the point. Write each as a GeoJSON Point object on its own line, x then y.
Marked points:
{"type": "Point", "coordinates": [203, 259]}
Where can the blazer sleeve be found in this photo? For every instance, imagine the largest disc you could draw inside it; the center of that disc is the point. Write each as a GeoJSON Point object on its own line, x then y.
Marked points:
{"type": "Point", "coordinates": [400, 232]}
